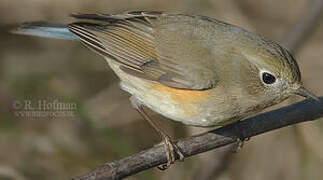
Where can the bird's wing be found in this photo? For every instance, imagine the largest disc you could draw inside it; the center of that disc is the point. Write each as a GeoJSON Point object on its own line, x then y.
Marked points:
{"type": "Point", "coordinates": [152, 45]}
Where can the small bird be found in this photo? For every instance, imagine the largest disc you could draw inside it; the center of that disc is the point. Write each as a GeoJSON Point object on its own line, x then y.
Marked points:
{"type": "Point", "coordinates": [189, 68]}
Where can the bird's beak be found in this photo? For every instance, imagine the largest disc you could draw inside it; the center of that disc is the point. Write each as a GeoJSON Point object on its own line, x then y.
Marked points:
{"type": "Point", "coordinates": [306, 93]}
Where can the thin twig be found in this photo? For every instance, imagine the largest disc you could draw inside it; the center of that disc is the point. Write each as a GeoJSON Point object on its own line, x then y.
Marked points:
{"type": "Point", "coordinates": [303, 111]}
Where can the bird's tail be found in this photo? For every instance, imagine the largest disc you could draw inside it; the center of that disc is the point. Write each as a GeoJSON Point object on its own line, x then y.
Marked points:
{"type": "Point", "coordinates": [45, 29]}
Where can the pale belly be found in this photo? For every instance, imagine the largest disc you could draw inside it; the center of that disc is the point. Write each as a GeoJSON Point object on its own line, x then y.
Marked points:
{"type": "Point", "coordinates": [189, 107]}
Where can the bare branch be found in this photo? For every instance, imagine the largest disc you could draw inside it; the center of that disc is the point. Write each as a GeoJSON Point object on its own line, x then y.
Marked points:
{"type": "Point", "coordinates": [303, 111]}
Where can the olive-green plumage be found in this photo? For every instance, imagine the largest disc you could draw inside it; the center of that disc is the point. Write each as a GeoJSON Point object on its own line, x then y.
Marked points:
{"type": "Point", "coordinates": [189, 68]}
{"type": "Point", "coordinates": [192, 52]}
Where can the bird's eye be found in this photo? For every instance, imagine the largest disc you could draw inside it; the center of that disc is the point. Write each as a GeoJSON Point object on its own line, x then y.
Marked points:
{"type": "Point", "coordinates": [268, 78]}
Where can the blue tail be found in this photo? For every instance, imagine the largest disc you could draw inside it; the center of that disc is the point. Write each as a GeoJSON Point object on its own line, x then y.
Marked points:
{"type": "Point", "coordinates": [45, 29]}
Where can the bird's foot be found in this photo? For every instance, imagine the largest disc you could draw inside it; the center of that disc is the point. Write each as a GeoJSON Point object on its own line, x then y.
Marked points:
{"type": "Point", "coordinates": [172, 152]}
{"type": "Point", "coordinates": [239, 144]}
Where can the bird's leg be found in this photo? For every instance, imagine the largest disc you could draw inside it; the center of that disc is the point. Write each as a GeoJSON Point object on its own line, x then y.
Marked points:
{"type": "Point", "coordinates": [171, 148]}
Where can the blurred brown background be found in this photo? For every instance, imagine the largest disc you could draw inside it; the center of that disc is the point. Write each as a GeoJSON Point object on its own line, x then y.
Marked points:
{"type": "Point", "coordinates": [104, 127]}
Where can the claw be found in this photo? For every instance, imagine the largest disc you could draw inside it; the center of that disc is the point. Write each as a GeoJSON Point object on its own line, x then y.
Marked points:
{"type": "Point", "coordinates": [171, 152]}
{"type": "Point", "coordinates": [240, 143]}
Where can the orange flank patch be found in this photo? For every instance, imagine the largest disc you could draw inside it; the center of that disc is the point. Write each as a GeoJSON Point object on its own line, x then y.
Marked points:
{"type": "Point", "coordinates": [187, 98]}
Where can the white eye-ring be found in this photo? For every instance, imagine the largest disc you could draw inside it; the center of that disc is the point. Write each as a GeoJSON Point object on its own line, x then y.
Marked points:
{"type": "Point", "coordinates": [267, 77]}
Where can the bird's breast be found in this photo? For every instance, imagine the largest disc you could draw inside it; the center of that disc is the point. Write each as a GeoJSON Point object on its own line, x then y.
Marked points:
{"type": "Point", "coordinates": [186, 99]}
{"type": "Point", "coordinates": [192, 107]}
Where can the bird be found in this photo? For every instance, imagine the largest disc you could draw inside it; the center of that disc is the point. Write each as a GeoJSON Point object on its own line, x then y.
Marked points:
{"type": "Point", "coordinates": [189, 68]}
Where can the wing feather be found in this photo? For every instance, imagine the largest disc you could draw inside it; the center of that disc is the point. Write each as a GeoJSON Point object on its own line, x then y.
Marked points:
{"type": "Point", "coordinates": [132, 40]}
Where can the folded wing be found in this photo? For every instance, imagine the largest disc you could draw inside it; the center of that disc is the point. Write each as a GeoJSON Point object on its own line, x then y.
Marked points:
{"type": "Point", "coordinates": [151, 45]}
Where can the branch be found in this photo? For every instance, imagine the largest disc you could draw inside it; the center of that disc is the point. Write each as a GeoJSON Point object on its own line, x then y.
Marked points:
{"type": "Point", "coordinates": [303, 111]}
